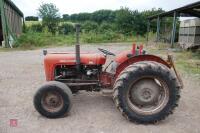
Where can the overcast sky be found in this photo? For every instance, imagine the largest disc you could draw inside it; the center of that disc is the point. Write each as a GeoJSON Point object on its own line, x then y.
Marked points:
{"type": "Point", "coordinates": [29, 7]}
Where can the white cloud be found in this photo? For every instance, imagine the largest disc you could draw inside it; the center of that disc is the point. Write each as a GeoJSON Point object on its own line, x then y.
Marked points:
{"type": "Point", "coordinates": [29, 7]}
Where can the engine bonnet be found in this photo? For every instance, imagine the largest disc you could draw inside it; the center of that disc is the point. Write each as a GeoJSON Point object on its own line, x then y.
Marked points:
{"type": "Point", "coordinates": [70, 58]}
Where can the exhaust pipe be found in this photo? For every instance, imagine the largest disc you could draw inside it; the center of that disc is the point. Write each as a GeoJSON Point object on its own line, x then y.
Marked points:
{"type": "Point", "coordinates": [78, 59]}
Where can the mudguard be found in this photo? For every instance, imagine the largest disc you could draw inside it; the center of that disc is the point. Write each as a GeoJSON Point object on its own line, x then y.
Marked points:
{"type": "Point", "coordinates": [121, 66]}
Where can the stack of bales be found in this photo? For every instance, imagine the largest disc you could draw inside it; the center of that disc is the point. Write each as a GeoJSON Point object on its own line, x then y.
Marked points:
{"type": "Point", "coordinates": [189, 33]}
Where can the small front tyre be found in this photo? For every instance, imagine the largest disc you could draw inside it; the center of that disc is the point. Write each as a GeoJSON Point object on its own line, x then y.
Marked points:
{"type": "Point", "coordinates": [53, 100]}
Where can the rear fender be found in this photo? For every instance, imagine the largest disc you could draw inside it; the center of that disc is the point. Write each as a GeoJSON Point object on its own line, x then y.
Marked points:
{"type": "Point", "coordinates": [139, 58]}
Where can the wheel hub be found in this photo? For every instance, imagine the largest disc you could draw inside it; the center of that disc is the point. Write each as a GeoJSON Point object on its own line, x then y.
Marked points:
{"type": "Point", "coordinates": [145, 92]}
{"type": "Point", "coordinates": [52, 101]}
{"type": "Point", "coordinates": [148, 96]}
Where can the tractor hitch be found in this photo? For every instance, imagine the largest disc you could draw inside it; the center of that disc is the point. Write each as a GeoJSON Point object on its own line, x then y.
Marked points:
{"type": "Point", "coordinates": [170, 61]}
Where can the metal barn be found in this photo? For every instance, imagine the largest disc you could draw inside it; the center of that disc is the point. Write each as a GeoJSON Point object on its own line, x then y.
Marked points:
{"type": "Point", "coordinates": [11, 23]}
{"type": "Point", "coordinates": [191, 10]}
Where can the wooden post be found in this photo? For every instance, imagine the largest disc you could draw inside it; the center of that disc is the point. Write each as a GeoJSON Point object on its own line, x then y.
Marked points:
{"type": "Point", "coordinates": [77, 33]}
{"type": "Point", "coordinates": [173, 30]}
{"type": "Point", "coordinates": [78, 58]}
{"type": "Point", "coordinates": [148, 29]}
{"type": "Point", "coordinates": [158, 29]}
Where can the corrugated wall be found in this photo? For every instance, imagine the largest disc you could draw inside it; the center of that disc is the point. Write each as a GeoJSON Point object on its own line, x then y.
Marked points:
{"type": "Point", "coordinates": [14, 20]}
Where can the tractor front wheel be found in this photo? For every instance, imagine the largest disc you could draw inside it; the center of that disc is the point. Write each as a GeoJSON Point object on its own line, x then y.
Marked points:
{"type": "Point", "coordinates": [146, 92]}
{"type": "Point", "coordinates": [53, 100]}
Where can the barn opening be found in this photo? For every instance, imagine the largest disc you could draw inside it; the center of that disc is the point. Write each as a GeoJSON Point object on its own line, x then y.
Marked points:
{"type": "Point", "coordinates": [190, 10]}
{"type": "Point", "coordinates": [11, 23]}
{"type": "Point", "coordinates": [1, 32]}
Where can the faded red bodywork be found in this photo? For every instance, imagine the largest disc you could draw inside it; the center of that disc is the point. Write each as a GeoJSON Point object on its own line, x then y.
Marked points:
{"type": "Point", "coordinates": [129, 61]}
{"type": "Point", "coordinates": [54, 59]}
{"type": "Point", "coordinates": [106, 79]}
{"type": "Point", "coordinates": [121, 57]}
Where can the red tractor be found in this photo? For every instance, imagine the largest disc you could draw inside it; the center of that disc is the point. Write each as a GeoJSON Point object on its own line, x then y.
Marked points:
{"type": "Point", "coordinates": [145, 88]}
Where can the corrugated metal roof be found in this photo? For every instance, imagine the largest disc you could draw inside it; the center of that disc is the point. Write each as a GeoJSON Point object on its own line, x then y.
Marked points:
{"type": "Point", "coordinates": [185, 11]}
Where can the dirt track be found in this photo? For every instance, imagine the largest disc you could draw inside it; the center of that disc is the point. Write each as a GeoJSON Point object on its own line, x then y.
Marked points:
{"type": "Point", "coordinates": [21, 73]}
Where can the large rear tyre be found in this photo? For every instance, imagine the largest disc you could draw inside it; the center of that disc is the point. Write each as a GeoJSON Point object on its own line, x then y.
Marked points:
{"type": "Point", "coordinates": [146, 92]}
{"type": "Point", "coordinates": [53, 100]}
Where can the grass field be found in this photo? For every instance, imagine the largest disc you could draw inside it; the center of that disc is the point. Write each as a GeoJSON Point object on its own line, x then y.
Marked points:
{"type": "Point", "coordinates": [186, 61]}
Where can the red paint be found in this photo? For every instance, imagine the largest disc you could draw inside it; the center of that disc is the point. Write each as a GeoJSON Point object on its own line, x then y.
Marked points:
{"type": "Point", "coordinates": [139, 58]}
{"type": "Point", "coordinates": [106, 79]}
{"type": "Point", "coordinates": [140, 49]}
{"type": "Point", "coordinates": [122, 56]}
{"type": "Point", "coordinates": [13, 122]}
{"type": "Point", "coordinates": [51, 60]}
{"type": "Point", "coordinates": [133, 49]}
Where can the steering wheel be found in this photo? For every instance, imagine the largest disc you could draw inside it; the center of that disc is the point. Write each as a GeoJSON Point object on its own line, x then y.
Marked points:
{"type": "Point", "coordinates": [106, 52]}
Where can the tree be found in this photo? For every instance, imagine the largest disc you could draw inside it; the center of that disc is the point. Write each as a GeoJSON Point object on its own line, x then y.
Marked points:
{"type": "Point", "coordinates": [66, 17]}
{"type": "Point", "coordinates": [103, 15]}
{"type": "Point", "coordinates": [83, 17]}
{"type": "Point", "coordinates": [31, 18]}
{"type": "Point", "coordinates": [153, 11]}
{"type": "Point", "coordinates": [125, 20]}
{"type": "Point", "coordinates": [90, 26]}
{"type": "Point", "coordinates": [129, 22]}
{"type": "Point", "coordinates": [50, 16]}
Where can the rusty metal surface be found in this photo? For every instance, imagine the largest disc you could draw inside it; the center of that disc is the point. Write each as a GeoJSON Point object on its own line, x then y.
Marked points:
{"type": "Point", "coordinates": [139, 58]}
{"type": "Point", "coordinates": [148, 95]}
{"type": "Point", "coordinates": [171, 62]}
{"type": "Point", "coordinates": [52, 101]}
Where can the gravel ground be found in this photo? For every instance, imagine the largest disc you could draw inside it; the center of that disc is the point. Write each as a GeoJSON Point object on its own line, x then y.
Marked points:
{"type": "Point", "coordinates": [21, 73]}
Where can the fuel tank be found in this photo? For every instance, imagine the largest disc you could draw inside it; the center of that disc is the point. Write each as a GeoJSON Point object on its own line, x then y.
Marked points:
{"type": "Point", "coordinates": [123, 56]}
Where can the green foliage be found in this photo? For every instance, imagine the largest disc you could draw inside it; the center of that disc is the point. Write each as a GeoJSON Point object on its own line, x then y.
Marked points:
{"type": "Point", "coordinates": [81, 17]}
{"type": "Point", "coordinates": [32, 40]}
{"type": "Point", "coordinates": [152, 12]}
{"type": "Point", "coordinates": [74, 17]}
{"type": "Point", "coordinates": [66, 17]}
{"type": "Point", "coordinates": [66, 28]}
{"type": "Point", "coordinates": [130, 22]}
{"type": "Point", "coordinates": [125, 21]}
{"type": "Point", "coordinates": [90, 26]}
{"type": "Point", "coordinates": [107, 27]}
{"type": "Point", "coordinates": [31, 18]}
{"type": "Point", "coordinates": [50, 16]}
{"type": "Point", "coordinates": [35, 28]}
{"type": "Point", "coordinates": [107, 36]}
{"type": "Point", "coordinates": [103, 15]}
{"type": "Point", "coordinates": [100, 26]}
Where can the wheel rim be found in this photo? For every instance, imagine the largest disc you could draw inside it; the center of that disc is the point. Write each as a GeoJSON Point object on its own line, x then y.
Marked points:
{"type": "Point", "coordinates": [52, 101]}
{"type": "Point", "coordinates": [148, 96]}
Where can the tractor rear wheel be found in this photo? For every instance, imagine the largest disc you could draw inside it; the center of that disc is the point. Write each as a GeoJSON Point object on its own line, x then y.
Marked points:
{"type": "Point", "coordinates": [53, 100]}
{"type": "Point", "coordinates": [146, 92]}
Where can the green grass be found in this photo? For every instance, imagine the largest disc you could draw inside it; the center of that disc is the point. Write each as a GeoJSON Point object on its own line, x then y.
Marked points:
{"type": "Point", "coordinates": [188, 61]}
{"type": "Point", "coordinates": [185, 61]}
{"type": "Point", "coordinates": [32, 40]}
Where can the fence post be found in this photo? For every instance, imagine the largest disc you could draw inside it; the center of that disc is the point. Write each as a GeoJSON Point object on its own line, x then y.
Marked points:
{"type": "Point", "coordinates": [148, 29]}
{"type": "Point", "coordinates": [158, 29]}
{"type": "Point", "coordinates": [173, 30]}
